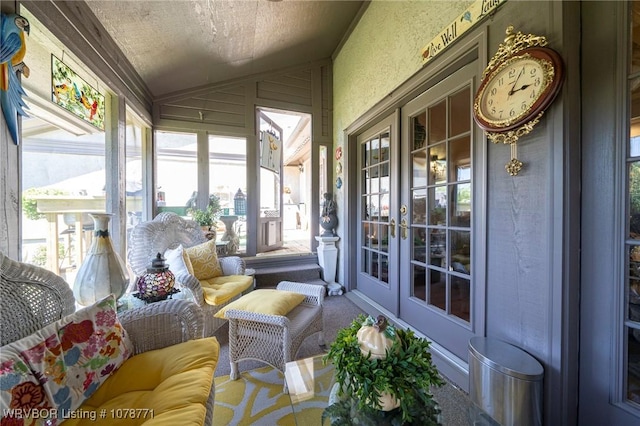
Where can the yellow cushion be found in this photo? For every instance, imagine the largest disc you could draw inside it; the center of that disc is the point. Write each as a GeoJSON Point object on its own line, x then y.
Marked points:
{"type": "Point", "coordinates": [204, 260]}
{"type": "Point", "coordinates": [265, 301]}
{"type": "Point", "coordinates": [220, 290]}
{"type": "Point", "coordinates": [174, 382]}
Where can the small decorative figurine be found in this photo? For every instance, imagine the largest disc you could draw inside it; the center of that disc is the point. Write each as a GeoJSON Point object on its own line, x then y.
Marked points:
{"type": "Point", "coordinates": [329, 219]}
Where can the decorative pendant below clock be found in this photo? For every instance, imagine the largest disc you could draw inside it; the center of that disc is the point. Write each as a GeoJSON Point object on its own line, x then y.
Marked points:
{"type": "Point", "coordinates": [518, 85]}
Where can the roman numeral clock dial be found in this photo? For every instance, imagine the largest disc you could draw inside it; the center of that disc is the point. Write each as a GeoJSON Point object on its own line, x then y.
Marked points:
{"type": "Point", "coordinates": [520, 82]}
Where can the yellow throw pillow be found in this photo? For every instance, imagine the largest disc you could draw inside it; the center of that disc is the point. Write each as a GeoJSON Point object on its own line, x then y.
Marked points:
{"type": "Point", "coordinates": [265, 301]}
{"type": "Point", "coordinates": [204, 260]}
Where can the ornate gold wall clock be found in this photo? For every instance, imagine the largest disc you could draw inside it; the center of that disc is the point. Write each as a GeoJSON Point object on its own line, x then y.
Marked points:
{"type": "Point", "coordinates": [520, 82]}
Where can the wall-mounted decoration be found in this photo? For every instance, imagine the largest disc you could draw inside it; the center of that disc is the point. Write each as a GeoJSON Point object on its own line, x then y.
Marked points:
{"type": "Point", "coordinates": [338, 153]}
{"type": "Point", "coordinates": [339, 182]}
{"type": "Point", "coordinates": [271, 151]}
{"type": "Point", "coordinates": [75, 95]}
{"type": "Point", "coordinates": [339, 167]}
{"type": "Point", "coordinates": [519, 84]}
{"type": "Point", "coordinates": [12, 51]}
{"type": "Point", "coordinates": [475, 13]}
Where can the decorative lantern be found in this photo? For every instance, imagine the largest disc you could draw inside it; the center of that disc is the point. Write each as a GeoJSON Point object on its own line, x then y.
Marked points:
{"type": "Point", "coordinates": [240, 203]}
{"type": "Point", "coordinates": [158, 283]}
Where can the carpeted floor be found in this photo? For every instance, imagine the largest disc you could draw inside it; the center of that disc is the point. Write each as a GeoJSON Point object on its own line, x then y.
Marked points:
{"type": "Point", "coordinates": [339, 312]}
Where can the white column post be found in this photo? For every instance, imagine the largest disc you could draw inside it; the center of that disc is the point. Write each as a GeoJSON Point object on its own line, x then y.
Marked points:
{"type": "Point", "coordinates": [328, 259]}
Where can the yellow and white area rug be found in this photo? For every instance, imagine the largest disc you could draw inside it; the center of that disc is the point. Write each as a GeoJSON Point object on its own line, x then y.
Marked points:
{"type": "Point", "coordinates": [257, 399]}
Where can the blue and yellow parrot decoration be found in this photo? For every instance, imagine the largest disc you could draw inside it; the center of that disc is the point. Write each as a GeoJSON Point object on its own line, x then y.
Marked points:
{"type": "Point", "coordinates": [12, 51]}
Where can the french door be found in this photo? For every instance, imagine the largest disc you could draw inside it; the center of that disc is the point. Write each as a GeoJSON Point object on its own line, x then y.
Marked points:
{"type": "Point", "coordinates": [378, 261]}
{"type": "Point", "coordinates": [437, 212]}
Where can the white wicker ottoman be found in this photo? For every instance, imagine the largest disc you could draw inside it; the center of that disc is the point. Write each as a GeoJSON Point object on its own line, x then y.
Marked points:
{"type": "Point", "coordinates": [275, 339]}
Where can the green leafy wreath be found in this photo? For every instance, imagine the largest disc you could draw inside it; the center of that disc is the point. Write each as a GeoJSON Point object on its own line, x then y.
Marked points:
{"type": "Point", "coordinates": [407, 373]}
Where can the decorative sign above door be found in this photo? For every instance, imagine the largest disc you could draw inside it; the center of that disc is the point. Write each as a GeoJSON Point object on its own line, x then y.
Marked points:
{"type": "Point", "coordinates": [467, 20]}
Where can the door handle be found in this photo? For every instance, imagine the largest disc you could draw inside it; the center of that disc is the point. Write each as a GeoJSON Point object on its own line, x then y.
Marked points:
{"type": "Point", "coordinates": [392, 224]}
{"type": "Point", "coordinates": [404, 227]}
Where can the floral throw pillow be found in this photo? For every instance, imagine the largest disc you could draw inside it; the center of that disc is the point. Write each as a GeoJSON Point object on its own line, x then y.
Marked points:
{"type": "Point", "coordinates": [72, 357]}
{"type": "Point", "coordinates": [21, 395]}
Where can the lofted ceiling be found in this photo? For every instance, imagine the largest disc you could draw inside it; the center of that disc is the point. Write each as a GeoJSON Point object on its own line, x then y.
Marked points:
{"type": "Point", "coordinates": [176, 45]}
{"type": "Point", "coordinates": [182, 44]}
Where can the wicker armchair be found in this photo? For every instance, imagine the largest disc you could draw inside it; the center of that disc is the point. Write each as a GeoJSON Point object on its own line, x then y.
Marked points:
{"type": "Point", "coordinates": [32, 297]}
{"type": "Point", "coordinates": [166, 231]}
{"type": "Point", "coordinates": [275, 339]}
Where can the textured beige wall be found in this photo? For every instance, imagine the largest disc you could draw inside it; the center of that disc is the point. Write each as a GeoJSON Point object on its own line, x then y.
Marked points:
{"type": "Point", "coordinates": [384, 51]}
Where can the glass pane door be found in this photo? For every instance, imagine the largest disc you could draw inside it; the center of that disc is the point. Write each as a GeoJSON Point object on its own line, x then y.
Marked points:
{"type": "Point", "coordinates": [441, 201]}
{"type": "Point", "coordinates": [436, 247]}
{"type": "Point", "coordinates": [270, 220]}
{"type": "Point", "coordinates": [378, 262]}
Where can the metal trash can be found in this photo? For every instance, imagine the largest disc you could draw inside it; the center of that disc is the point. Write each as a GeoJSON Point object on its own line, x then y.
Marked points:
{"type": "Point", "coordinates": [505, 382]}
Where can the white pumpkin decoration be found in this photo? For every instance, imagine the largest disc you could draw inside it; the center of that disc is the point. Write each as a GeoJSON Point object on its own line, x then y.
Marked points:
{"type": "Point", "coordinates": [388, 402]}
{"type": "Point", "coordinates": [374, 339]}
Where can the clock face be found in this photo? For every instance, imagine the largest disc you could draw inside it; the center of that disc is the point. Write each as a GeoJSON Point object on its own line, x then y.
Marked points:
{"type": "Point", "coordinates": [517, 90]}
{"type": "Point", "coordinates": [513, 90]}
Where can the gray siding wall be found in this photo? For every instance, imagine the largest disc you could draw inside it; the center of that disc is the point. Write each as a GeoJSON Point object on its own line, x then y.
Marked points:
{"type": "Point", "coordinates": [531, 247]}
{"type": "Point", "coordinates": [605, 135]}
{"type": "Point", "coordinates": [228, 108]}
{"type": "Point", "coordinates": [222, 107]}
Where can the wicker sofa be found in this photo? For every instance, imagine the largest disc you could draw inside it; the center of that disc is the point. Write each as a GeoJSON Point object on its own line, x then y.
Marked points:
{"type": "Point", "coordinates": [163, 373]}
{"type": "Point", "coordinates": [169, 231]}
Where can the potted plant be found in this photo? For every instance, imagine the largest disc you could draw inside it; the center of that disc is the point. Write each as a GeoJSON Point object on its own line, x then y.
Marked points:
{"type": "Point", "coordinates": [383, 376]}
{"type": "Point", "coordinates": [204, 218]}
{"type": "Point", "coordinates": [208, 217]}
